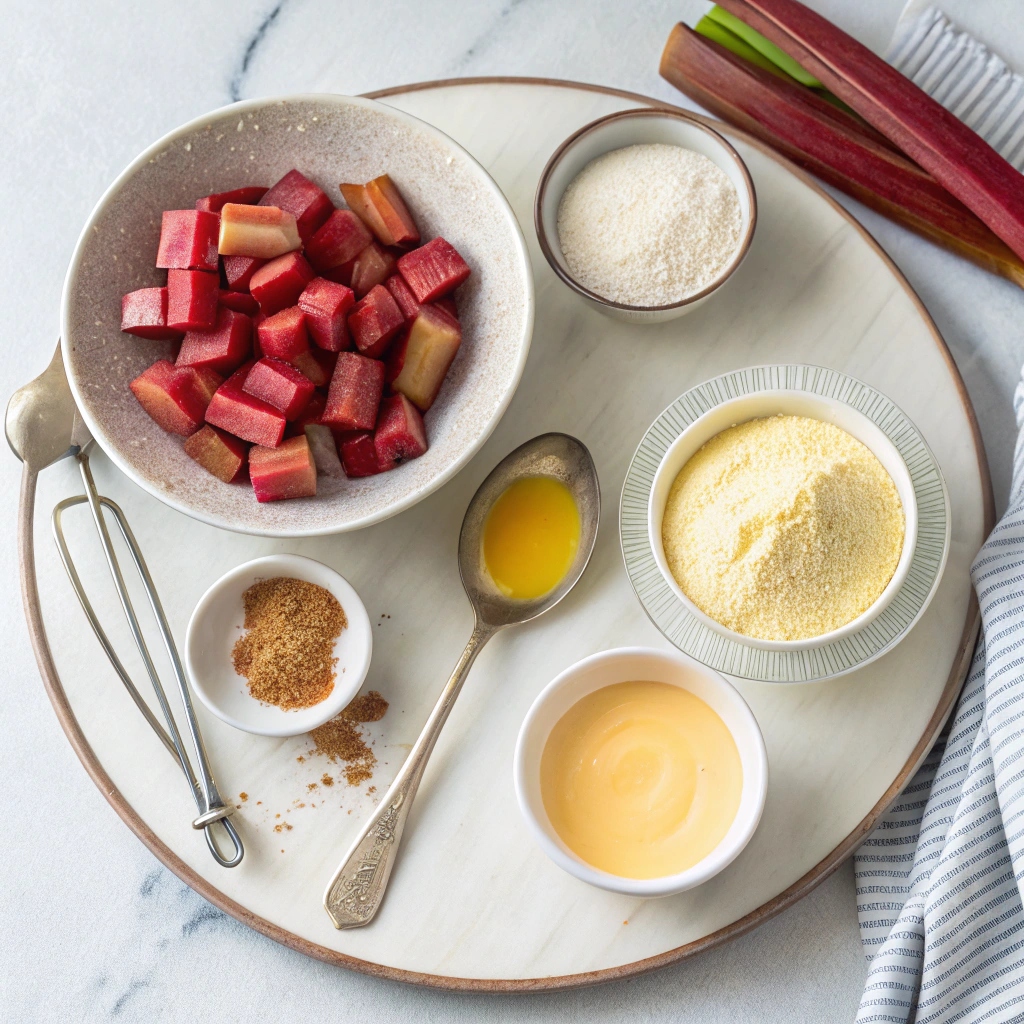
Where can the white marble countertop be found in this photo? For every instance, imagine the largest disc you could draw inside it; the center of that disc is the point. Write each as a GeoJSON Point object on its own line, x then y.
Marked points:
{"type": "Point", "coordinates": [91, 926]}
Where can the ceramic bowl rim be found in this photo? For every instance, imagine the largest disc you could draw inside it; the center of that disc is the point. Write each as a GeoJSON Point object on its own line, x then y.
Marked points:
{"type": "Point", "coordinates": [855, 625]}
{"type": "Point", "coordinates": [254, 105]}
{"type": "Point", "coordinates": [715, 861]}
{"type": "Point", "coordinates": [596, 125]}
{"type": "Point", "coordinates": [338, 698]}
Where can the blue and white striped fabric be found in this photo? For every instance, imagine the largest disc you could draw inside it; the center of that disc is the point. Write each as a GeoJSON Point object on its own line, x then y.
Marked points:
{"type": "Point", "coordinates": [939, 881]}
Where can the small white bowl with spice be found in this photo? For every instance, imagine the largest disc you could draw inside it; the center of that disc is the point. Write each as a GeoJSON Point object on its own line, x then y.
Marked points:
{"type": "Point", "coordinates": [278, 646]}
{"type": "Point", "coordinates": [783, 520]}
{"type": "Point", "coordinates": [645, 213]}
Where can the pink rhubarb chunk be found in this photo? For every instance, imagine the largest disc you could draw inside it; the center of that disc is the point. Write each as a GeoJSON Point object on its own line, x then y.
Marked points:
{"type": "Point", "coordinates": [223, 348]}
{"type": "Point", "coordinates": [374, 321]}
{"type": "Point", "coordinates": [423, 355]}
{"type": "Point", "coordinates": [239, 413]}
{"type": "Point", "coordinates": [327, 305]}
{"type": "Point", "coordinates": [279, 283]}
{"type": "Point", "coordinates": [144, 314]}
{"type": "Point", "coordinates": [175, 398]}
{"type": "Point", "coordinates": [246, 196]}
{"type": "Point", "coordinates": [188, 240]}
{"type": "Point", "coordinates": [381, 206]}
{"type": "Point", "coordinates": [341, 239]}
{"type": "Point", "coordinates": [373, 266]}
{"type": "Point", "coordinates": [218, 453]}
{"type": "Point", "coordinates": [400, 434]}
{"type": "Point", "coordinates": [304, 200]}
{"type": "Point", "coordinates": [287, 471]}
{"type": "Point", "coordinates": [358, 455]}
{"type": "Point", "coordinates": [356, 389]}
{"type": "Point", "coordinates": [191, 299]}
{"type": "Point", "coordinates": [433, 270]}
{"type": "Point", "coordinates": [238, 271]}
{"type": "Point", "coordinates": [259, 231]}
{"type": "Point", "coordinates": [283, 335]}
{"type": "Point", "coordinates": [280, 385]}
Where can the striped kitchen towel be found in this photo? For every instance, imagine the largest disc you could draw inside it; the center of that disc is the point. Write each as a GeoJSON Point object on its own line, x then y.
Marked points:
{"type": "Point", "coordinates": [939, 881]}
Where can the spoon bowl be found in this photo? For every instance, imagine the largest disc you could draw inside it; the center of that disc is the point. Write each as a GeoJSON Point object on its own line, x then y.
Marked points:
{"type": "Point", "coordinates": [553, 455]}
{"type": "Point", "coordinates": [356, 891]}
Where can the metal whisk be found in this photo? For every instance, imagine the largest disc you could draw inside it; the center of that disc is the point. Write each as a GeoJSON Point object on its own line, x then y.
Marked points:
{"type": "Point", "coordinates": [43, 426]}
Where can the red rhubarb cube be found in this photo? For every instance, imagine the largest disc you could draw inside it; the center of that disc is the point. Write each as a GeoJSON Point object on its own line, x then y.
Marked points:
{"type": "Point", "coordinates": [373, 266]}
{"type": "Point", "coordinates": [280, 283]}
{"type": "Point", "coordinates": [358, 455]}
{"type": "Point", "coordinates": [238, 271]}
{"type": "Point", "coordinates": [403, 296]}
{"type": "Point", "coordinates": [327, 305]}
{"type": "Point", "coordinates": [245, 196]}
{"type": "Point", "coordinates": [374, 321]}
{"type": "Point", "coordinates": [280, 385]}
{"type": "Point", "coordinates": [423, 355]}
{"type": "Point", "coordinates": [400, 434]}
{"type": "Point", "coordinates": [191, 299]}
{"type": "Point", "coordinates": [287, 471]}
{"type": "Point", "coordinates": [144, 313]}
{"type": "Point", "coordinates": [381, 206]}
{"type": "Point", "coordinates": [224, 348]}
{"type": "Point", "coordinates": [433, 269]}
{"type": "Point", "coordinates": [239, 413]}
{"type": "Point", "coordinates": [306, 201]}
{"type": "Point", "coordinates": [240, 302]}
{"type": "Point", "coordinates": [218, 453]}
{"type": "Point", "coordinates": [283, 335]}
{"type": "Point", "coordinates": [356, 388]}
{"type": "Point", "coordinates": [174, 398]}
{"type": "Point", "coordinates": [188, 240]}
{"type": "Point", "coordinates": [341, 239]}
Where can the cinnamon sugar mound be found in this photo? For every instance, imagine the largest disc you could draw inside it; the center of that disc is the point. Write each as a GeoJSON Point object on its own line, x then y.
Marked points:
{"type": "Point", "coordinates": [341, 740]}
{"type": "Point", "coordinates": [287, 653]}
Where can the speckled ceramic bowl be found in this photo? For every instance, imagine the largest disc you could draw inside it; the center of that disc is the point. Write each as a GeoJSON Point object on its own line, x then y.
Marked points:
{"type": "Point", "coordinates": [330, 139]}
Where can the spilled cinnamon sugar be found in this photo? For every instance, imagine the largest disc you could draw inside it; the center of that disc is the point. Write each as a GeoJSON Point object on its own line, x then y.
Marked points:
{"type": "Point", "coordinates": [341, 740]}
{"type": "Point", "coordinates": [287, 653]}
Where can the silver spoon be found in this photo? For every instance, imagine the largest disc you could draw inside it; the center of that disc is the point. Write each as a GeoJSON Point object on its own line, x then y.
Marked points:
{"type": "Point", "coordinates": [43, 426]}
{"type": "Point", "coordinates": [357, 889]}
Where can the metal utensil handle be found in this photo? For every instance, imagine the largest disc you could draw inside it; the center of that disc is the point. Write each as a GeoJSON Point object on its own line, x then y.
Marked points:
{"type": "Point", "coordinates": [209, 803]}
{"type": "Point", "coordinates": [356, 891]}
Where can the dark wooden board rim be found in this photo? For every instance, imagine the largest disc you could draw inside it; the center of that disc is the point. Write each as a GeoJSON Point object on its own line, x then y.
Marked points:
{"type": "Point", "coordinates": [800, 888]}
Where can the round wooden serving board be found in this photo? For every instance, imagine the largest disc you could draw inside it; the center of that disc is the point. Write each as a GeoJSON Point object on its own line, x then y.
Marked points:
{"type": "Point", "coordinates": [473, 903]}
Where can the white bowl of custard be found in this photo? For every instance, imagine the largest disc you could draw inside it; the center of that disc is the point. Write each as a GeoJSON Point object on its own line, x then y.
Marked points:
{"type": "Point", "coordinates": [641, 771]}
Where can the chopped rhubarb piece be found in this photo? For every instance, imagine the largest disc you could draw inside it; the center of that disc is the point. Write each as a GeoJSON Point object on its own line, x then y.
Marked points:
{"type": "Point", "coordinates": [426, 353]}
{"type": "Point", "coordinates": [239, 413]}
{"type": "Point", "coordinates": [381, 206]}
{"type": "Point", "coordinates": [283, 335]}
{"type": "Point", "coordinates": [317, 365]}
{"type": "Point", "coordinates": [400, 435]}
{"type": "Point", "coordinates": [311, 414]}
{"type": "Point", "coordinates": [218, 453]}
{"type": "Point", "coordinates": [355, 393]}
{"type": "Point", "coordinates": [342, 238]}
{"type": "Point", "coordinates": [188, 240]}
{"type": "Point", "coordinates": [324, 450]}
{"type": "Point", "coordinates": [224, 348]}
{"type": "Point", "coordinates": [373, 266]}
{"type": "Point", "coordinates": [280, 283]}
{"type": "Point", "coordinates": [433, 270]}
{"type": "Point", "coordinates": [144, 314]}
{"type": "Point", "coordinates": [374, 321]}
{"type": "Point", "coordinates": [241, 302]}
{"type": "Point", "coordinates": [191, 299]}
{"type": "Point", "coordinates": [404, 298]}
{"type": "Point", "coordinates": [208, 381]}
{"type": "Point", "coordinates": [281, 472]}
{"type": "Point", "coordinates": [261, 231]}
{"type": "Point", "coordinates": [280, 385]}
{"type": "Point", "coordinates": [247, 196]}
{"type": "Point", "coordinates": [238, 271]}
{"type": "Point", "coordinates": [173, 397]}
{"type": "Point", "coordinates": [358, 455]}
{"type": "Point", "coordinates": [326, 305]}
{"type": "Point", "coordinates": [307, 202]}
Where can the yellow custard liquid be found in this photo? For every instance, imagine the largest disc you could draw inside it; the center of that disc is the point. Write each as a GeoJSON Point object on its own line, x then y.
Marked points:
{"type": "Point", "coordinates": [531, 536]}
{"type": "Point", "coordinates": [641, 779]}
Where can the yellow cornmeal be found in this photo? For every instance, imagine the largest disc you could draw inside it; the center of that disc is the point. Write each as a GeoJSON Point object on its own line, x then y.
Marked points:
{"type": "Point", "coordinates": [783, 528]}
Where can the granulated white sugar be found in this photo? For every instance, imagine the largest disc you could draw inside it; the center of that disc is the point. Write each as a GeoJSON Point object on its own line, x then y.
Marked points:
{"type": "Point", "coordinates": [649, 225]}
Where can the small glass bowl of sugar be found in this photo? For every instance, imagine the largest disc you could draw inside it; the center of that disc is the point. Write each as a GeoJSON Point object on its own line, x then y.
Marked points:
{"type": "Point", "coordinates": [645, 213]}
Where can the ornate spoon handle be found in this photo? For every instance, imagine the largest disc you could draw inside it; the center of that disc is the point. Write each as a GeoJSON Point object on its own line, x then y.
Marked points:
{"type": "Point", "coordinates": [357, 889]}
